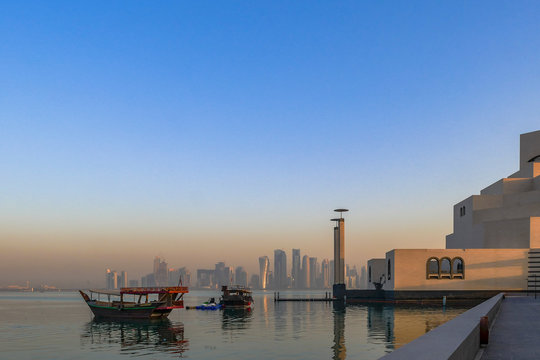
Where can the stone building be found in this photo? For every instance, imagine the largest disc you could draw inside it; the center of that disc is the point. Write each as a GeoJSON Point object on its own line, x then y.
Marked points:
{"type": "Point", "coordinates": [495, 244]}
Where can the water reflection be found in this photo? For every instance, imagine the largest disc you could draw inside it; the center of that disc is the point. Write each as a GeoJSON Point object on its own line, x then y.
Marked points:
{"type": "Point", "coordinates": [135, 337]}
{"type": "Point", "coordinates": [339, 351]}
{"type": "Point", "coordinates": [380, 322]}
{"type": "Point", "coordinates": [236, 319]}
{"type": "Point", "coordinates": [396, 325]}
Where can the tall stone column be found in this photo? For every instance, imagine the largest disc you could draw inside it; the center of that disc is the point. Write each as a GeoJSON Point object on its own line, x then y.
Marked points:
{"type": "Point", "coordinates": [339, 255]}
{"type": "Point", "coordinates": [341, 252]}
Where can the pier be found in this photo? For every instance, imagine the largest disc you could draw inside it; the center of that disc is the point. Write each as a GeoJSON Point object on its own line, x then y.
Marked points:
{"type": "Point", "coordinates": [503, 327]}
{"type": "Point", "coordinates": [514, 333]}
{"type": "Point", "coordinates": [327, 297]}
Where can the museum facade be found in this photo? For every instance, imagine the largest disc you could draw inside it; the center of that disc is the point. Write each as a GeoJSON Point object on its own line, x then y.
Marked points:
{"type": "Point", "coordinates": [495, 244]}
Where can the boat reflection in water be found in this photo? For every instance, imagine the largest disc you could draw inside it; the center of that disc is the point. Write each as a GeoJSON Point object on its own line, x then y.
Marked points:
{"type": "Point", "coordinates": [135, 336]}
{"type": "Point", "coordinates": [236, 319]}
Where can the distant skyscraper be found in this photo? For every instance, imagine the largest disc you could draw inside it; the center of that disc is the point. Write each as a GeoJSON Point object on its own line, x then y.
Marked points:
{"type": "Point", "coordinates": [313, 272]}
{"type": "Point", "coordinates": [148, 280]}
{"type": "Point", "coordinates": [295, 271]}
{"type": "Point", "coordinates": [325, 273]}
{"type": "Point", "coordinates": [206, 278]}
{"type": "Point", "coordinates": [111, 279]}
{"type": "Point", "coordinates": [280, 269]}
{"type": "Point", "coordinates": [180, 276]}
{"type": "Point", "coordinates": [108, 279]}
{"type": "Point", "coordinates": [241, 276]}
{"type": "Point", "coordinates": [305, 272]}
{"type": "Point", "coordinates": [331, 272]}
{"type": "Point", "coordinates": [254, 283]}
{"type": "Point", "coordinates": [123, 280]}
{"type": "Point", "coordinates": [221, 274]}
{"type": "Point", "coordinates": [185, 274]}
{"type": "Point", "coordinates": [229, 270]}
{"type": "Point", "coordinates": [353, 279]}
{"type": "Point", "coordinates": [270, 282]}
{"type": "Point", "coordinates": [264, 265]}
{"type": "Point", "coordinates": [161, 276]}
{"type": "Point", "coordinates": [363, 278]}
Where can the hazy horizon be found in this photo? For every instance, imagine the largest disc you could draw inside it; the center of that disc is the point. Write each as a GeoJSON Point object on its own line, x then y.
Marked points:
{"type": "Point", "coordinates": [219, 132]}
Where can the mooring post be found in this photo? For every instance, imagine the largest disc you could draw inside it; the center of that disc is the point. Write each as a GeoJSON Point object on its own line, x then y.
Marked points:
{"type": "Point", "coordinates": [484, 330]}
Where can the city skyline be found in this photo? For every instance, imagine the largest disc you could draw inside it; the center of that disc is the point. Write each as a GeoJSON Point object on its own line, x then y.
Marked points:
{"type": "Point", "coordinates": [318, 273]}
{"type": "Point", "coordinates": [313, 274]}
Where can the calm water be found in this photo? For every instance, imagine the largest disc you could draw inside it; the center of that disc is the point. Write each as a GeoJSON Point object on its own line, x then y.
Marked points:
{"type": "Point", "coordinates": [60, 326]}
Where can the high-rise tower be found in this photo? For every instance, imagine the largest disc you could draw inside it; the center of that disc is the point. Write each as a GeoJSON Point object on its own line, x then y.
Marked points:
{"type": "Point", "coordinates": [313, 272]}
{"type": "Point", "coordinates": [280, 269]}
{"type": "Point", "coordinates": [295, 271]}
{"type": "Point", "coordinates": [305, 272]}
{"type": "Point", "coordinates": [264, 264]}
{"type": "Point", "coordinates": [325, 273]}
{"type": "Point", "coordinates": [111, 279]}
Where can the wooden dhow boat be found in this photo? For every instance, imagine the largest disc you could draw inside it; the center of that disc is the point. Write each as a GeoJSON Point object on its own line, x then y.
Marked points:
{"type": "Point", "coordinates": [236, 297]}
{"type": "Point", "coordinates": [148, 302]}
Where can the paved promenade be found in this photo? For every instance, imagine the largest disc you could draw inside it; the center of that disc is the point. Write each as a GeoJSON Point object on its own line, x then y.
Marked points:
{"type": "Point", "coordinates": [516, 332]}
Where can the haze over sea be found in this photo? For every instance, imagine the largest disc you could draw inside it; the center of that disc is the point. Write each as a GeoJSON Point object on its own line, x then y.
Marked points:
{"type": "Point", "coordinates": [60, 326]}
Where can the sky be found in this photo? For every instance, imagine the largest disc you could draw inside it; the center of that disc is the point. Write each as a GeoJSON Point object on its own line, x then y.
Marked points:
{"type": "Point", "coordinates": [220, 131]}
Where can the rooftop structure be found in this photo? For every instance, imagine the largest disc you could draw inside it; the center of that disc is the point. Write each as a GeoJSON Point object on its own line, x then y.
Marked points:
{"type": "Point", "coordinates": [506, 214]}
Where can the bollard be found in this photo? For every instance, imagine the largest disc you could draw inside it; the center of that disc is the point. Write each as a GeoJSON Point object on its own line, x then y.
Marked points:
{"type": "Point", "coordinates": [484, 330]}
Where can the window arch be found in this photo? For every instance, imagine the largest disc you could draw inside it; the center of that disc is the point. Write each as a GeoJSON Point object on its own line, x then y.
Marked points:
{"type": "Point", "coordinates": [446, 268]}
{"type": "Point", "coordinates": [458, 268]}
{"type": "Point", "coordinates": [389, 270]}
{"type": "Point", "coordinates": [432, 268]}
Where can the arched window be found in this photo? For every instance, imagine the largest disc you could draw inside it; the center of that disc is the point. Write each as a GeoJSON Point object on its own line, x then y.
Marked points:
{"type": "Point", "coordinates": [369, 274]}
{"type": "Point", "coordinates": [458, 268]}
{"type": "Point", "coordinates": [446, 267]}
{"type": "Point", "coordinates": [432, 268]}
{"type": "Point", "coordinates": [389, 270]}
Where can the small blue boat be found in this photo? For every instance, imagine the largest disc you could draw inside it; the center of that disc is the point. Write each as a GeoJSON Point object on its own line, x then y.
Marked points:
{"type": "Point", "coordinates": [209, 305]}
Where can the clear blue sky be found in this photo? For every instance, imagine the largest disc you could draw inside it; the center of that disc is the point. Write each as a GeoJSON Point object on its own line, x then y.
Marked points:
{"type": "Point", "coordinates": [206, 131]}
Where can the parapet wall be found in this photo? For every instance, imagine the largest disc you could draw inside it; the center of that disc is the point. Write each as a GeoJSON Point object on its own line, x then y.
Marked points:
{"type": "Point", "coordinates": [419, 296]}
{"type": "Point", "coordinates": [459, 338]}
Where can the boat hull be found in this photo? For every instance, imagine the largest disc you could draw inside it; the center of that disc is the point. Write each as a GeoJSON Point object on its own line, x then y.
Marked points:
{"type": "Point", "coordinates": [236, 297]}
{"type": "Point", "coordinates": [106, 312]}
{"type": "Point", "coordinates": [161, 313]}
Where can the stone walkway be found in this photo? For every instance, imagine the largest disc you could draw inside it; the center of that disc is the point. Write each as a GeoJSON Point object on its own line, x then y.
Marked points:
{"type": "Point", "coordinates": [516, 332]}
